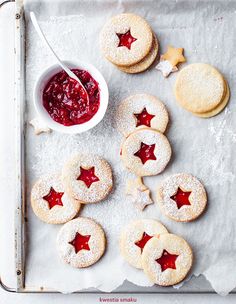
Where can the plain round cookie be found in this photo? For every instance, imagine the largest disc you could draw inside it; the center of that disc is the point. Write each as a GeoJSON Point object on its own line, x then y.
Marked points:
{"type": "Point", "coordinates": [43, 193]}
{"type": "Point", "coordinates": [145, 63]}
{"type": "Point", "coordinates": [133, 233]}
{"type": "Point", "coordinates": [121, 24]}
{"type": "Point", "coordinates": [219, 108]}
{"type": "Point", "coordinates": [81, 242]}
{"type": "Point", "coordinates": [126, 115]}
{"type": "Point", "coordinates": [190, 201]}
{"type": "Point", "coordinates": [163, 246]}
{"type": "Point", "coordinates": [199, 88]}
{"type": "Point", "coordinates": [101, 173]}
{"type": "Point", "coordinates": [158, 148]}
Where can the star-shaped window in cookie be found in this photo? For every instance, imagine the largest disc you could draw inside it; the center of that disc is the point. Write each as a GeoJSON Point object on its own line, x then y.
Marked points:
{"type": "Point", "coordinates": [181, 198]}
{"type": "Point", "coordinates": [80, 242]}
{"type": "Point", "coordinates": [146, 152]}
{"type": "Point", "coordinates": [88, 176]}
{"type": "Point", "coordinates": [167, 260]}
{"type": "Point", "coordinates": [53, 198]}
{"type": "Point", "coordinates": [126, 39]}
{"type": "Point", "coordinates": [144, 118]}
{"type": "Point", "coordinates": [141, 243]}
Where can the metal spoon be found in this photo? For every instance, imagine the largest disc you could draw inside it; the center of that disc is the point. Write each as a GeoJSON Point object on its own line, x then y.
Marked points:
{"type": "Point", "coordinates": [64, 67]}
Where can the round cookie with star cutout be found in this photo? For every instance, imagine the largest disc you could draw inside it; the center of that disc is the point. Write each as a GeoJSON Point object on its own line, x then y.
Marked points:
{"type": "Point", "coordinates": [51, 203]}
{"type": "Point", "coordinates": [87, 178]}
{"type": "Point", "coordinates": [126, 39]}
{"type": "Point", "coordinates": [134, 238]}
{"type": "Point", "coordinates": [182, 197]}
{"type": "Point", "coordinates": [146, 152]}
{"type": "Point", "coordinates": [140, 111]}
{"type": "Point", "coordinates": [81, 242]}
{"type": "Point", "coordinates": [167, 259]}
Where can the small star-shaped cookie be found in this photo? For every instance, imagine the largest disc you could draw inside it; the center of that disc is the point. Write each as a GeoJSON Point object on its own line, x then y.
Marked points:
{"type": "Point", "coordinates": [169, 60]}
{"type": "Point", "coordinates": [174, 55]}
{"type": "Point", "coordinates": [142, 199]}
{"type": "Point", "coordinates": [39, 126]}
{"type": "Point", "coordinates": [139, 192]}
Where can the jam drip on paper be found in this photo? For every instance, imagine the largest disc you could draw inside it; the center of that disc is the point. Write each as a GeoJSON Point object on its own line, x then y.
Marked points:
{"type": "Point", "coordinates": [146, 152]}
{"type": "Point", "coordinates": [141, 243]}
{"type": "Point", "coordinates": [88, 176]}
{"type": "Point", "coordinates": [181, 198]}
{"type": "Point", "coordinates": [126, 39]}
{"type": "Point", "coordinates": [53, 198]}
{"type": "Point", "coordinates": [167, 260]}
{"type": "Point", "coordinates": [144, 118]}
{"type": "Point", "coordinates": [80, 242]}
{"type": "Point", "coordinates": [66, 101]}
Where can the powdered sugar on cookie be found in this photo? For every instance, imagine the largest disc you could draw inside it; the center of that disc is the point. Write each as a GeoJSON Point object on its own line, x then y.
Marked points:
{"type": "Point", "coordinates": [133, 239]}
{"type": "Point", "coordinates": [182, 197]}
{"type": "Point", "coordinates": [63, 207]}
{"type": "Point", "coordinates": [140, 111]}
{"type": "Point", "coordinates": [84, 253]}
{"type": "Point", "coordinates": [87, 178]}
{"type": "Point", "coordinates": [157, 152]}
{"type": "Point", "coordinates": [167, 259]}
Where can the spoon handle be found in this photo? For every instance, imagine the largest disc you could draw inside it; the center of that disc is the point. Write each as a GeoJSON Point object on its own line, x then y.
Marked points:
{"type": "Point", "coordinates": [44, 39]}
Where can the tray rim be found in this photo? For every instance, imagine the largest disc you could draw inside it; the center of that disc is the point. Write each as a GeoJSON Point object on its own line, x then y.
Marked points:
{"type": "Point", "coordinates": [20, 209]}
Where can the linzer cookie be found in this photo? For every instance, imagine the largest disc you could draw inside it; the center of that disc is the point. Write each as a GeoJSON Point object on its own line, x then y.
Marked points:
{"type": "Point", "coordinates": [140, 111]}
{"type": "Point", "coordinates": [127, 41]}
{"type": "Point", "coordinates": [167, 259]}
{"type": "Point", "coordinates": [182, 197]}
{"type": "Point", "coordinates": [202, 90]}
{"type": "Point", "coordinates": [51, 203]}
{"type": "Point", "coordinates": [81, 242]}
{"type": "Point", "coordinates": [146, 152]}
{"type": "Point", "coordinates": [134, 238]}
{"type": "Point", "coordinates": [87, 178]}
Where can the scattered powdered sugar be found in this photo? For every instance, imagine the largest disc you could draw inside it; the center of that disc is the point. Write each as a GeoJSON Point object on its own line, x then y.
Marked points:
{"type": "Point", "coordinates": [195, 149]}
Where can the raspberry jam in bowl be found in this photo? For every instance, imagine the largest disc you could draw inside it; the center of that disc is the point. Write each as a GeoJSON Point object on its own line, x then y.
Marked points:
{"type": "Point", "coordinates": [61, 102]}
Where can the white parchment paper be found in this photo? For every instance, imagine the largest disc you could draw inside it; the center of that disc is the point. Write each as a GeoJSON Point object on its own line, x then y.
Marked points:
{"type": "Point", "coordinates": [205, 148]}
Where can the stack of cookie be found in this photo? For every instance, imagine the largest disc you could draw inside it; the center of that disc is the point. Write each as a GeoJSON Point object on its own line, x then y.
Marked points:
{"type": "Point", "coordinates": [128, 42]}
{"type": "Point", "coordinates": [142, 119]}
{"type": "Point", "coordinates": [165, 258]}
{"type": "Point", "coordinates": [201, 89]}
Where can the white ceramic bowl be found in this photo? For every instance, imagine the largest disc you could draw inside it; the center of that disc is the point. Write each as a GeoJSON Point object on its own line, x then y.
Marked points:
{"type": "Point", "coordinates": [44, 115]}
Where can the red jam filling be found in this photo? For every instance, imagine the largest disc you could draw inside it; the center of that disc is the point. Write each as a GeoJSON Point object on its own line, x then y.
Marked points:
{"type": "Point", "coordinates": [66, 101]}
{"type": "Point", "coordinates": [146, 152]}
{"type": "Point", "coordinates": [145, 238]}
{"type": "Point", "coordinates": [181, 198]}
{"type": "Point", "coordinates": [80, 242]}
{"type": "Point", "coordinates": [53, 198]}
{"type": "Point", "coordinates": [144, 118]}
{"type": "Point", "coordinates": [167, 260]}
{"type": "Point", "coordinates": [126, 39]}
{"type": "Point", "coordinates": [88, 176]}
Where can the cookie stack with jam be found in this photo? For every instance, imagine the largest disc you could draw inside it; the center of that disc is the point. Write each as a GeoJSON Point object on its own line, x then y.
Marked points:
{"type": "Point", "coordinates": [127, 41]}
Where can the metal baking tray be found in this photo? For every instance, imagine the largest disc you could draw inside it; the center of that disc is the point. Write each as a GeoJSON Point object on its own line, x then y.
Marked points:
{"type": "Point", "coordinates": [195, 285]}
